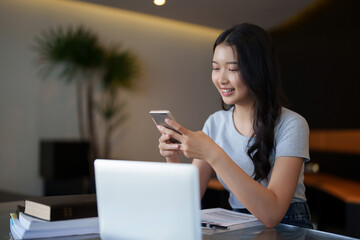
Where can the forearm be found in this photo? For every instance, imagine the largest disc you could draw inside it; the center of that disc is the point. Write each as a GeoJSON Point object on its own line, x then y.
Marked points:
{"type": "Point", "coordinates": [205, 174]}
{"type": "Point", "coordinates": [260, 201]}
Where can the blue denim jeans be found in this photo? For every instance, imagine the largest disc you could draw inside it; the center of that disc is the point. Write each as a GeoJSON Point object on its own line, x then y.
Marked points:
{"type": "Point", "coordinates": [298, 214]}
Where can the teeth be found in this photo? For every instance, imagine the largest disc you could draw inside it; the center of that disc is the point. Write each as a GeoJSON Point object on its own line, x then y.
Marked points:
{"type": "Point", "coordinates": [227, 90]}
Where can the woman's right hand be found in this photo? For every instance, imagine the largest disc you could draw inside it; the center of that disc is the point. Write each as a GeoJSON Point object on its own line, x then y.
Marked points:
{"type": "Point", "coordinates": [168, 149]}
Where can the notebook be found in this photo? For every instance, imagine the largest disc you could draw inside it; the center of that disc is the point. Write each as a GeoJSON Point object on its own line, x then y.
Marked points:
{"type": "Point", "coordinates": [147, 200]}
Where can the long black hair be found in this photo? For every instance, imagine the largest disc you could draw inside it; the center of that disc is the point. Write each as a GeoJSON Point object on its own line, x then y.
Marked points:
{"type": "Point", "coordinates": [259, 67]}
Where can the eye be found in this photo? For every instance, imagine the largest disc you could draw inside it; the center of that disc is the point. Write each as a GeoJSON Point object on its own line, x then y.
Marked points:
{"type": "Point", "coordinates": [233, 69]}
{"type": "Point", "coordinates": [215, 68]}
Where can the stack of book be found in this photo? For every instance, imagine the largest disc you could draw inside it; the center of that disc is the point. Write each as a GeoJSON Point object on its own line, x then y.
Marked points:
{"type": "Point", "coordinates": [56, 216]}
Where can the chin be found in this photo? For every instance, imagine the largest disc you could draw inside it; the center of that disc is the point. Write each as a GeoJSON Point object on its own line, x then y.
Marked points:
{"type": "Point", "coordinates": [228, 102]}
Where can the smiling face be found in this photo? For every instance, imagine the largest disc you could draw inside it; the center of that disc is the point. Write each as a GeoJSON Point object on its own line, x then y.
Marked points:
{"type": "Point", "coordinates": [227, 77]}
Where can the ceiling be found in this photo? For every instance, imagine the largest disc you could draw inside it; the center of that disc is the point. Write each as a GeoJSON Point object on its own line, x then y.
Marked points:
{"type": "Point", "coordinates": [219, 14]}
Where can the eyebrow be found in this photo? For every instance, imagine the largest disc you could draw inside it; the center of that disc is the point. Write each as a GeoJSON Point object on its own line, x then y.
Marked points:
{"type": "Point", "coordinates": [225, 63]}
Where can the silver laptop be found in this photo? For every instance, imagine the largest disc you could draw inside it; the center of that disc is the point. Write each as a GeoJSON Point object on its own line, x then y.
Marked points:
{"type": "Point", "coordinates": [147, 200]}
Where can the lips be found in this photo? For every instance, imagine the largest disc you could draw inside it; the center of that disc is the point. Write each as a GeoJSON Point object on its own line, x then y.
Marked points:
{"type": "Point", "coordinates": [227, 91]}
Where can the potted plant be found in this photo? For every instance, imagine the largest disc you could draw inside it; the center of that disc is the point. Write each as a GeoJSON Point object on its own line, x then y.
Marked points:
{"type": "Point", "coordinates": [94, 69]}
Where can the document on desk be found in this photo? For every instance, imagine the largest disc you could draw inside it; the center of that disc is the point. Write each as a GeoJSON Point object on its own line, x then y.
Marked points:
{"type": "Point", "coordinates": [219, 220]}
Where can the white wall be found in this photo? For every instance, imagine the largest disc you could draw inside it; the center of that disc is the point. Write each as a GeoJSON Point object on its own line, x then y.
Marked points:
{"type": "Point", "coordinates": [176, 64]}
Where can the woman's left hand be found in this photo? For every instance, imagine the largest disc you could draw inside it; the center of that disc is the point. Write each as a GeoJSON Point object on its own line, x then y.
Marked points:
{"type": "Point", "coordinates": [196, 145]}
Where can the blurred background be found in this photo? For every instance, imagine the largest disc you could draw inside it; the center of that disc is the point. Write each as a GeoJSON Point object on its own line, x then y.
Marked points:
{"type": "Point", "coordinates": [318, 46]}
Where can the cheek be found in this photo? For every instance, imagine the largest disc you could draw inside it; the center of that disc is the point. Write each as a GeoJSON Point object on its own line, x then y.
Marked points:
{"type": "Point", "coordinates": [238, 81]}
{"type": "Point", "coordinates": [213, 79]}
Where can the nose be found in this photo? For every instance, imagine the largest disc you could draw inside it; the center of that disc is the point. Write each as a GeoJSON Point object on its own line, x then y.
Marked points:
{"type": "Point", "coordinates": [223, 78]}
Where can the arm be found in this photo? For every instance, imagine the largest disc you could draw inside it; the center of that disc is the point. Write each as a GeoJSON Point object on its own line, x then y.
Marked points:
{"type": "Point", "coordinates": [205, 174]}
{"type": "Point", "coordinates": [269, 204]}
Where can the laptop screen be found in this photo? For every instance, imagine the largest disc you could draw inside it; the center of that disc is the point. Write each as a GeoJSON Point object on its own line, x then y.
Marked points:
{"type": "Point", "coordinates": [147, 200]}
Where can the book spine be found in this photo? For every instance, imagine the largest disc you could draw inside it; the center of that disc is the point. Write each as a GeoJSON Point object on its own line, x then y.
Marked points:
{"type": "Point", "coordinates": [73, 212]}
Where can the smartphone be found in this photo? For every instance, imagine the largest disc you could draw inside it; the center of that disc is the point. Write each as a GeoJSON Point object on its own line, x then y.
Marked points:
{"type": "Point", "coordinates": [159, 117]}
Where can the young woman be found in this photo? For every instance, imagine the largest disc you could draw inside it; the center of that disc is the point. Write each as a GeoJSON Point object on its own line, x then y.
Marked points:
{"type": "Point", "coordinates": [256, 147]}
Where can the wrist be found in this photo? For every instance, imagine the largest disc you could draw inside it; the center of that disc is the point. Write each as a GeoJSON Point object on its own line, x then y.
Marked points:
{"type": "Point", "coordinates": [216, 155]}
{"type": "Point", "coordinates": [173, 160]}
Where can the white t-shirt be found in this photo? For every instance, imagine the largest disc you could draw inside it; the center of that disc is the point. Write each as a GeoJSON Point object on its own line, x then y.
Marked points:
{"type": "Point", "coordinates": [291, 139]}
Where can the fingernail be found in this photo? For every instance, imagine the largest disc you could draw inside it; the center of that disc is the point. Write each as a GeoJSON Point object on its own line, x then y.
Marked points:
{"type": "Point", "coordinates": [159, 127]}
{"type": "Point", "coordinates": [176, 146]}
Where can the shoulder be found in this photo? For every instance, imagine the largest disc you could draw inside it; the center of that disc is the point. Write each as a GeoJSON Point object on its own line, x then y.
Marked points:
{"type": "Point", "coordinates": [291, 126]}
{"type": "Point", "coordinates": [290, 120]}
{"type": "Point", "coordinates": [220, 115]}
{"type": "Point", "coordinates": [292, 135]}
{"type": "Point", "coordinates": [216, 120]}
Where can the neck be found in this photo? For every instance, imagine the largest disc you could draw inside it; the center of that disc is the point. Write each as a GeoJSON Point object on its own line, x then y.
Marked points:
{"type": "Point", "coordinates": [243, 117]}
